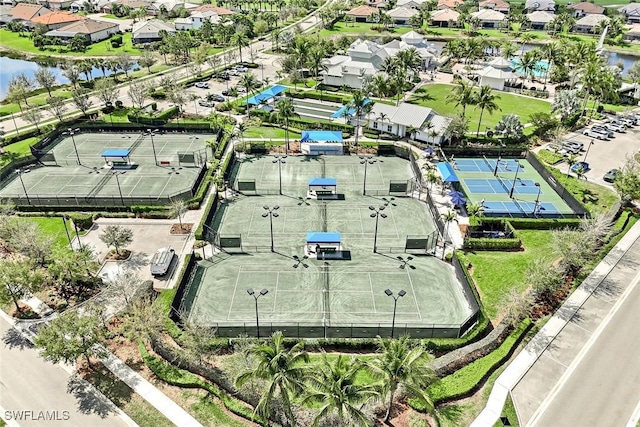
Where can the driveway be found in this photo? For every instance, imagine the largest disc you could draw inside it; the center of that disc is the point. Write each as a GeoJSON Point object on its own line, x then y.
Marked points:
{"type": "Point", "coordinates": [125, 24]}
{"type": "Point", "coordinates": [148, 237]}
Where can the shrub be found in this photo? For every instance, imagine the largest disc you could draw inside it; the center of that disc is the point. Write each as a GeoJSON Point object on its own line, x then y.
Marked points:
{"type": "Point", "coordinates": [82, 220]}
{"type": "Point", "coordinates": [550, 157]}
{"type": "Point", "coordinates": [489, 244]}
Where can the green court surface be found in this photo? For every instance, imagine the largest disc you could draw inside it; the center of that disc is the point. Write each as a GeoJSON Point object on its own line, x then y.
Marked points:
{"type": "Point", "coordinates": [504, 192]}
{"type": "Point", "coordinates": [346, 293]}
{"type": "Point", "coordinates": [61, 180]}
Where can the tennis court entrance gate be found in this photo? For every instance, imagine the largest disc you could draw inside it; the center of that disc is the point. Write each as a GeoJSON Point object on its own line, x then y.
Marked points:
{"type": "Point", "coordinates": [426, 243]}
{"type": "Point", "coordinates": [192, 159]}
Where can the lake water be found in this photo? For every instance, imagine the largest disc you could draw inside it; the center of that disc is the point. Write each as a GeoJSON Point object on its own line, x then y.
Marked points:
{"type": "Point", "coordinates": [10, 67]}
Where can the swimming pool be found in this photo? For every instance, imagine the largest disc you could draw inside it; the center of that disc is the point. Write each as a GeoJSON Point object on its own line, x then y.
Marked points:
{"type": "Point", "coordinates": [542, 67]}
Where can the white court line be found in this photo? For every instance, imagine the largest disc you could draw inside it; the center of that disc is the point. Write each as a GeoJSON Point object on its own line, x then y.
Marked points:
{"type": "Point", "coordinates": [395, 225]}
{"type": "Point", "coordinates": [235, 288]}
{"type": "Point", "coordinates": [163, 188]}
{"type": "Point", "coordinates": [275, 291]}
{"type": "Point", "coordinates": [413, 291]}
{"type": "Point", "coordinates": [635, 417]}
{"type": "Point", "coordinates": [373, 297]}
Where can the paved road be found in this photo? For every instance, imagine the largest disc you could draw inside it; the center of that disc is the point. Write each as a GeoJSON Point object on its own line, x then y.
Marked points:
{"type": "Point", "coordinates": [28, 383]}
{"type": "Point", "coordinates": [590, 373]}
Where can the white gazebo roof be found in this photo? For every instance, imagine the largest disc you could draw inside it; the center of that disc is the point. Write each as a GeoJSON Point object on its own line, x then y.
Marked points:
{"type": "Point", "coordinates": [494, 73]}
{"type": "Point", "coordinates": [499, 62]}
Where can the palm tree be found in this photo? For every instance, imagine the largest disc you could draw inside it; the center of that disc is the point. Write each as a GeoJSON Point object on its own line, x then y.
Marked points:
{"type": "Point", "coordinates": [240, 130]}
{"type": "Point", "coordinates": [486, 100]}
{"type": "Point", "coordinates": [248, 81]}
{"type": "Point", "coordinates": [382, 117]}
{"type": "Point", "coordinates": [448, 218]}
{"type": "Point", "coordinates": [475, 210]}
{"type": "Point", "coordinates": [400, 364]}
{"type": "Point", "coordinates": [570, 161]}
{"type": "Point", "coordinates": [358, 104]}
{"type": "Point", "coordinates": [334, 386]}
{"type": "Point", "coordinates": [432, 178]}
{"type": "Point", "coordinates": [240, 40]}
{"type": "Point", "coordinates": [524, 39]}
{"type": "Point", "coordinates": [283, 369]}
{"type": "Point", "coordinates": [286, 110]}
{"type": "Point", "coordinates": [463, 95]}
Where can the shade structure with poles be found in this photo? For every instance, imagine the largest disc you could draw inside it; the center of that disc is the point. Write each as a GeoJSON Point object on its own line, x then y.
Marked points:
{"type": "Point", "coordinates": [429, 151]}
{"type": "Point", "coordinates": [457, 199]}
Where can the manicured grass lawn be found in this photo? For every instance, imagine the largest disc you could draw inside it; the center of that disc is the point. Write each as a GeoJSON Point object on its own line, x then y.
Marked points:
{"type": "Point", "coordinates": [496, 272]}
{"type": "Point", "coordinates": [269, 132]}
{"type": "Point", "coordinates": [52, 227]}
{"type": "Point", "coordinates": [17, 150]}
{"type": "Point", "coordinates": [360, 28]}
{"type": "Point", "coordinates": [435, 96]}
{"type": "Point", "coordinates": [12, 41]}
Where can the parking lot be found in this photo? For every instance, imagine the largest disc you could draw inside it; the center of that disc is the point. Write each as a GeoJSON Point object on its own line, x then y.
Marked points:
{"type": "Point", "coordinates": [603, 156]}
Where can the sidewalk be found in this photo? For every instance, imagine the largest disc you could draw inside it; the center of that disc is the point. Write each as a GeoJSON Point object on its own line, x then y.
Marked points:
{"type": "Point", "coordinates": [530, 377]}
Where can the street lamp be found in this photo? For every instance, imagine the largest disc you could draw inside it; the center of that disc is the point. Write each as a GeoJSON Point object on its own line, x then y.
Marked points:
{"type": "Point", "coordinates": [114, 173]}
{"type": "Point", "coordinates": [151, 133]}
{"type": "Point", "coordinates": [366, 160]}
{"type": "Point", "coordinates": [280, 160]}
{"type": "Point", "coordinates": [535, 207]}
{"type": "Point", "coordinates": [72, 132]}
{"type": "Point", "coordinates": [19, 172]}
{"type": "Point", "coordinates": [376, 213]}
{"type": "Point", "coordinates": [64, 221]}
{"type": "Point", "coordinates": [271, 213]}
{"type": "Point", "coordinates": [255, 296]}
{"type": "Point", "coordinates": [515, 178]}
{"type": "Point", "coordinates": [395, 303]}
{"type": "Point", "coordinates": [587, 153]}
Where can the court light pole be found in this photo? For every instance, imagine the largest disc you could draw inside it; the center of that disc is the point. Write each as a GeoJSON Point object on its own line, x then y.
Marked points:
{"type": "Point", "coordinates": [587, 153]}
{"type": "Point", "coordinates": [271, 213]}
{"type": "Point", "coordinates": [255, 296]}
{"type": "Point", "coordinates": [116, 174]}
{"type": "Point", "coordinates": [19, 172]}
{"type": "Point", "coordinates": [376, 213]}
{"type": "Point", "coordinates": [66, 230]}
{"type": "Point", "coordinates": [515, 178]}
{"type": "Point", "coordinates": [151, 133]}
{"type": "Point", "coordinates": [535, 207]}
{"type": "Point", "coordinates": [366, 160]}
{"type": "Point", "coordinates": [395, 304]}
{"type": "Point", "coordinates": [280, 160]}
{"type": "Point", "coordinates": [72, 132]}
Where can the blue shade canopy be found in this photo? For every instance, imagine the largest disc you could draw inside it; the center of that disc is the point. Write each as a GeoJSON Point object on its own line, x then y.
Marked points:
{"type": "Point", "coordinates": [324, 182]}
{"type": "Point", "coordinates": [352, 111]}
{"type": "Point", "coordinates": [273, 91]}
{"type": "Point", "coordinates": [321, 237]}
{"type": "Point", "coordinates": [458, 200]}
{"type": "Point", "coordinates": [447, 172]}
{"type": "Point", "coordinates": [116, 152]}
{"type": "Point", "coordinates": [429, 150]}
{"type": "Point", "coordinates": [321, 136]}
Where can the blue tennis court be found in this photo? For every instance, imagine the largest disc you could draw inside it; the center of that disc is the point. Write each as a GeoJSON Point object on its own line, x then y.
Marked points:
{"type": "Point", "coordinates": [498, 185]}
{"type": "Point", "coordinates": [482, 165]}
{"type": "Point", "coordinates": [521, 206]}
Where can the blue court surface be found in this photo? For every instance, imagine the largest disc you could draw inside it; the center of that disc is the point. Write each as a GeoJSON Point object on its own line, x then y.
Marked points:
{"type": "Point", "coordinates": [482, 165]}
{"type": "Point", "coordinates": [521, 207]}
{"type": "Point", "coordinates": [499, 185]}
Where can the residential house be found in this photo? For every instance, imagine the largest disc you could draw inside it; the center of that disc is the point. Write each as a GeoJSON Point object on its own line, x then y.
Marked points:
{"type": "Point", "coordinates": [56, 4]}
{"type": "Point", "coordinates": [499, 5]}
{"type": "Point", "coordinates": [402, 15]}
{"type": "Point", "coordinates": [132, 4]}
{"type": "Point", "coordinates": [195, 21]}
{"type": "Point", "coordinates": [631, 12]}
{"type": "Point", "coordinates": [57, 19]}
{"type": "Point", "coordinates": [585, 8]}
{"type": "Point", "coordinates": [362, 13]}
{"type": "Point", "coordinates": [589, 23]}
{"type": "Point", "coordinates": [490, 18]}
{"type": "Point", "coordinates": [221, 11]}
{"type": "Point", "coordinates": [449, 4]}
{"type": "Point", "coordinates": [169, 6]}
{"type": "Point", "coordinates": [413, 4]}
{"type": "Point", "coordinates": [94, 31]}
{"type": "Point", "coordinates": [151, 30]}
{"type": "Point", "coordinates": [633, 34]}
{"type": "Point", "coordinates": [540, 5]}
{"type": "Point", "coordinates": [445, 18]}
{"type": "Point", "coordinates": [428, 126]}
{"type": "Point", "coordinates": [377, 3]}
{"type": "Point", "coordinates": [25, 12]}
{"type": "Point", "coordinates": [364, 59]}
{"type": "Point", "coordinates": [540, 19]}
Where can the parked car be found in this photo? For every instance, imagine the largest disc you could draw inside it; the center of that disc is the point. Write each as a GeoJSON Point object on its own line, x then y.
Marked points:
{"type": "Point", "coordinates": [226, 92]}
{"type": "Point", "coordinates": [233, 72]}
{"type": "Point", "coordinates": [604, 131]}
{"type": "Point", "coordinates": [241, 89]}
{"type": "Point", "coordinates": [202, 85]}
{"type": "Point", "coordinates": [579, 146]}
{"type": "Point", "coordinates": [584, 166]}
{"type": "Point", "coordinates": [214, 97]}
{"type": "Point", "coordinates": [568, 150]}
{"type": "Point", "coordinates": [205, 103]}
{"type": "Point", "coordinates": [614, 126]}
{"type": "Point", "coordinates": [223, 76]}
{"type": "Point", "coordinates": [611, 175]}
{"type": "Point", "coordinates": [594, 134]}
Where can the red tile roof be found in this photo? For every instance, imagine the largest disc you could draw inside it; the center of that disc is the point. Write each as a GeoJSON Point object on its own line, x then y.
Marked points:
{"type": "Point", "coordinates": [57, 17]}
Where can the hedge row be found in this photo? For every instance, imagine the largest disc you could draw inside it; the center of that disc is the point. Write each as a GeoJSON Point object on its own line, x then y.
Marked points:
{"type": "Point", "coordinates": [543, 224]}
{"type": "Point", "coordinates": [320, 96]}
{"type": "Point", "coordinates": [204, 186]}
{"type": "Point", "coordinates": [489, 244]}
{"type": "Point", "coordinates": [181, 378]}
{"type": "Point", "coordinates": [222, 145]}
{"type": "Point", "coordinates": [23, 135]}
{"type": "Point", "coordinates": [163, 116]}
{"type": "Point", "coordinates": [470, 378]}
{"type": "Point", "coordinates": [199, 233]}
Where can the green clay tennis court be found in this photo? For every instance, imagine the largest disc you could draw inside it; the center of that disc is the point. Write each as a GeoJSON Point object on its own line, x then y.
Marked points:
{"type": "Point", "coordinates": [509, 188]}
{"type": "Point", "coordinates": [337, 297]}
{"type": "Point", "coordinates": [60, 180]}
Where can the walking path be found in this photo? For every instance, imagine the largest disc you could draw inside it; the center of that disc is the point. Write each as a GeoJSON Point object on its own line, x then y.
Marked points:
{"type": "Point", "coordinates": [534, 377]}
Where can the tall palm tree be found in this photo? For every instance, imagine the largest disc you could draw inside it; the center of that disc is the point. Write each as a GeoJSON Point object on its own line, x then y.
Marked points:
{"type": "Point", "coordinates": [240, 40]}
{"type": "Point", "coordinates": [282, 368]}
{"type": "Point", "coordinates": [475, 210]}
{"type": "Point", "coordinates": [248, 81]}
{"type": "Point", "coordinates": [241, 129]}
{"type": "Point", "coordinates": [508, 49]}
{"type": "Point", "coordinates": [448, 218]}
{"type": "Point", "coordinates": [524, 39]}
{"type": "Point", "coordinates": [486, 100]}
{"type": "Point", "coordinates": [334, 386]}
{"type": "Point", "coordinates": [358, 104]}
{"type": "Point", "coordinates": [462, 94]}
{"type": "Point", "coordinates": [401, 364]}
{"type": "Point", "coordinates": [286, 110]}
{"type": "Point", "coordinates": [382, 117]}
{"type": "Point", "coordinates": [570, 161]}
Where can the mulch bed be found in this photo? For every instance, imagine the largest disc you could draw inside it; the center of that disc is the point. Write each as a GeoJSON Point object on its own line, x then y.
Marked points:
{"type": "Point", "coordinates": [185, 229]}
{"type": "Point", "coordinates": [123, 255]}
{"type": "Point", "coordinates": [25, 312]}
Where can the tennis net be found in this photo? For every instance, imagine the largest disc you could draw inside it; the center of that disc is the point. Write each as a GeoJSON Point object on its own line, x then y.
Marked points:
{"type": "Point", "coordinates": [324, 168]}
{"type": "Point", "coordinates": [506, 189]}
{"type": "Point", "coordinates": [325, 296]}
{"type": "Point", "coordinates": [323, 214]}
{"type": "Point", "coordinates": [488, 163]}
{"type": "Point", "coordinates": [519, 206]}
